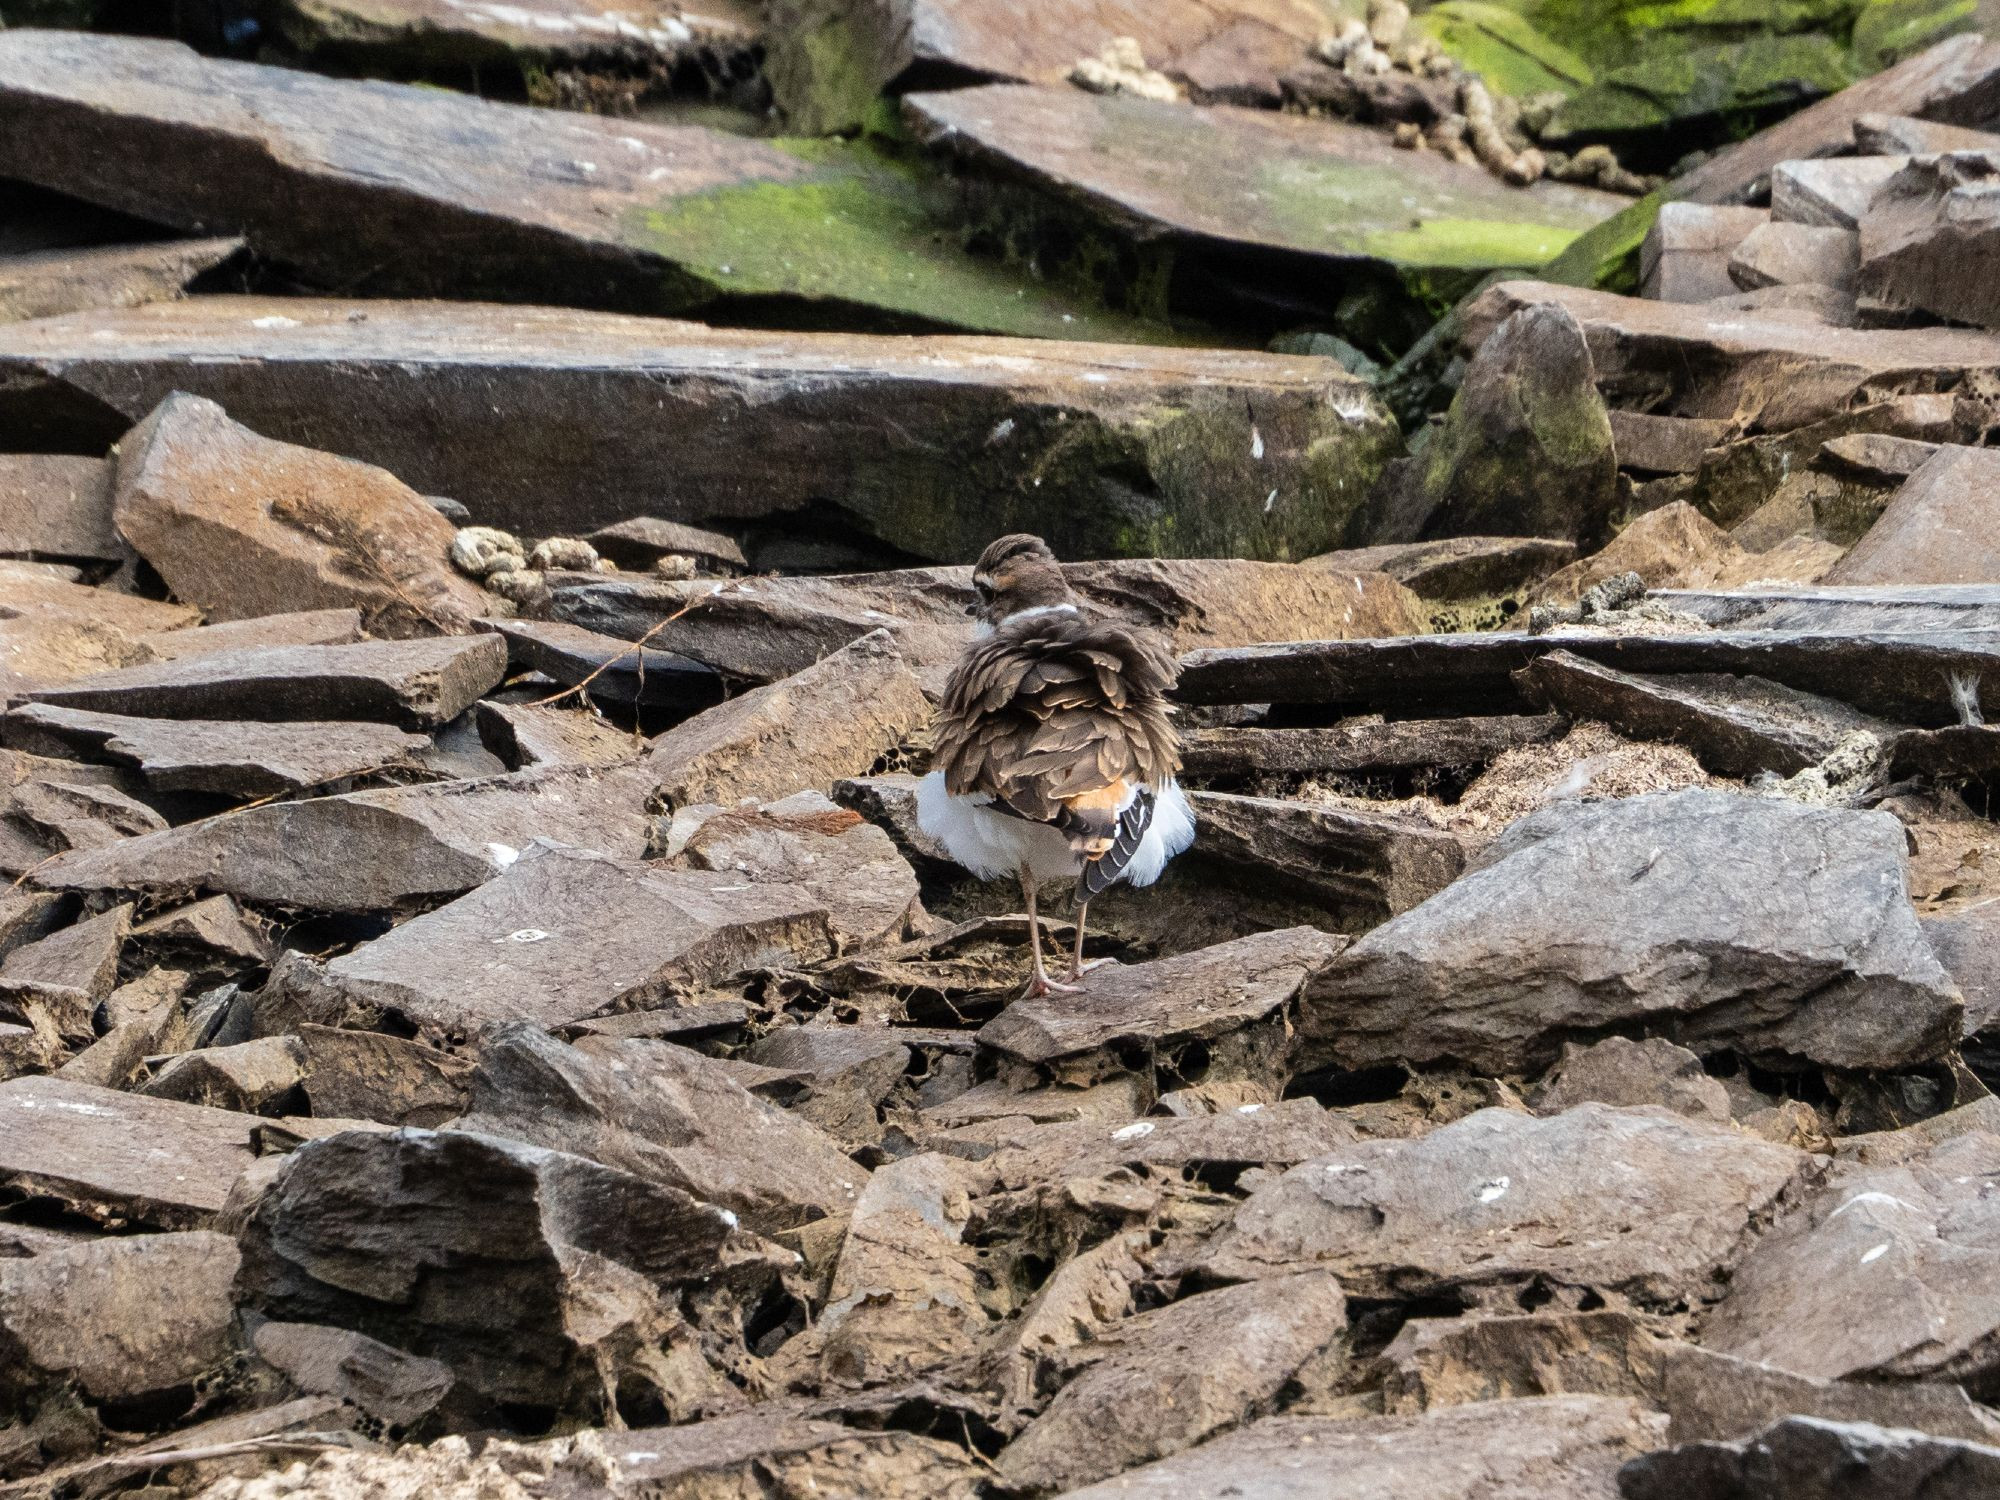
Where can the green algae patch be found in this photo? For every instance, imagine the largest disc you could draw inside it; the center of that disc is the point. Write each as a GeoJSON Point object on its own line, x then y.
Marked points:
{"type": "Point", "coordinates": [1730, 81]}
{"type": "Point", "coordinates": [1606, 258]}
{"type": "Point", "coordinates": [1887, 31]}
{"type": "Point", "coordinates": [861, 230]}
{"type": "Point", "coordinates": [1476, 245]}
{"type": "Point", "coordinates": [1504, 49]}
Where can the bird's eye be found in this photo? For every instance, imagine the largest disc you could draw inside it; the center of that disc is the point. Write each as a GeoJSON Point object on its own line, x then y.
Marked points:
{"type": "Point", "coordinates": [985, 588]}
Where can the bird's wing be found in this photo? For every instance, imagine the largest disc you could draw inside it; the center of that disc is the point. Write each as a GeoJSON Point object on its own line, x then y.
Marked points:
{"type": "Point", "coordinates": [1062, 720]}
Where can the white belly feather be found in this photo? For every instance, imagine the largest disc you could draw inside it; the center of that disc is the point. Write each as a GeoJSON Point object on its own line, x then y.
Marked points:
{"type": "Point", "coordinates": [991, 844]}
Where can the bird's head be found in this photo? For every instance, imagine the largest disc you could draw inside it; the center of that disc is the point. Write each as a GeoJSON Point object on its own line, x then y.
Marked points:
{"type": "Point", "coordinates": [1015, 574]}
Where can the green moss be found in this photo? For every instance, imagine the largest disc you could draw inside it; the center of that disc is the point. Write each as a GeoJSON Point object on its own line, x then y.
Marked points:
{"type": "Point", "coordinates": [1887, 31]}
{"type": "Point", "coordinates": [860, 229]}
{"type": "Point", "coordinates": [1475, 245]}
{"type": "Point", "coordinates": [1504, 48]}
{"type": "Point", "coordinates": [1728, 80]}
{"type": "Point", "coordinates": [1607, 257]}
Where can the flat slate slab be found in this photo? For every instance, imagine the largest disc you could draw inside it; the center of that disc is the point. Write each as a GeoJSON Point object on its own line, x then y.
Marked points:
{"type": "Point", "coordinates": [550, 420]}
{"type": "Point", "coordinates": [1328, 194]}
{"type": "Point", "coordinates": [212, 755]}
{"type": "Point", "coordinates": [1768, 373]}
{"type": "Point", "coordinates": [48, 283]}
{"type": "Point", "coordinates": [413, 682]}
{"type": "Point", "coordinates": [57, 508]}
{"type": "Point", "coordinates": [544, 33]}
{"type": "Point", "coordinates": [829, 58]}
{"type": "Point", "coordinates": [345, 178]}
{"type": "Point", "coordinates": [119, 1157]}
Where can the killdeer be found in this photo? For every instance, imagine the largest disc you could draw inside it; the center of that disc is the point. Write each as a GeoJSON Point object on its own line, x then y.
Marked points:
{"type": "Point", "coordinates": [1054, 757]}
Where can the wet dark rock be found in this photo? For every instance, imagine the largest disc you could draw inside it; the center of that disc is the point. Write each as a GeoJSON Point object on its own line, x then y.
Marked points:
{"type": "Point", "coordinates": [232, 758]}
{"type": "Point", "coordinates": [536, 1276]}
{"type": "Point", "coordinates": [541, 418]}
{"type": "Point", "coordinates": [1495, 1450]}
{"type": "Point", "coordinates": [1806, 1458]}
{"type": "Point", "coordinates": [410, 682]}
{"type": "Point", "coordinates": [1165, 1380]}
{"type": "Point", "coordinates": [1202, 996]}
{"type": "Point", "coordinates": [1759, 925]}
{"type": "Point", "coordinates": [666, 1114]}
{"type": "Point", "coordinates": [835, 719]}
{"type": "Point", "coordinates": [1363, 867]}
{"type": "Point", "coordinates": [1736, 726]}
{"type": "Point", "coordinates": [1911, 1242]}
{"type": "Point", "coordinates": [615, 670]}
{"type": "Point", "coordinates": [123, 1318]}
{"type": "Point", "coordinates": [240, 526]}
{"type": "Point", "coordinates": [118, 1158]}
{"type": "Point", "coordinates": [380, 850]}
{"type": "Point", "coordinates": [1620, 1071]}
{"type": "Point", "coordinates": [564, 933]}
{"type": "Point", "coordinates": [49, 283]}
{"type": "Point", "coordinates": [1656, 1208]}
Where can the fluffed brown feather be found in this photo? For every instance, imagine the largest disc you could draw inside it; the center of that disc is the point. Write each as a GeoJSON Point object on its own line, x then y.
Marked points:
{"type": "Point", "coordinates": [1054, 707]}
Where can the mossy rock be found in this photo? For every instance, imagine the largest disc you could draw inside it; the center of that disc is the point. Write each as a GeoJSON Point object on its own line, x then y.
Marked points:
{"type": "Point", "coordinates": [1887, 31]}
{"type": "Point", "coordinates": [1504, 48]}
{"type": "Point", "coordinates": [1606, 258]}
{"type": "Point", "coordinates": [866, 229]}
{"type": "Point", "coordinates": [1729, 81]}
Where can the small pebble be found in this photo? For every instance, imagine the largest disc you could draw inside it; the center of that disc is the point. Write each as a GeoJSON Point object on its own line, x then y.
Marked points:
{"type": "Point", "coordinates": [674, 565]}
{"type": "Point", "coordinates": [480, 551]}
{"type": "Point", "coordinates": [563, 554]}
{"type": "Point", "coordinates": [521, 585]}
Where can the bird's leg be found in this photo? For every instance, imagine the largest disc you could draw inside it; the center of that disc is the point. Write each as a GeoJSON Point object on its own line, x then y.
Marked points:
{"type": "Point", "coordinates": [1077, 967]}
{"type": "Point", "coordinates": [1039, 983]}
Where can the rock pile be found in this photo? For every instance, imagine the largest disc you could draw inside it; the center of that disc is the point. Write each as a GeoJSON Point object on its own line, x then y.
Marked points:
{"type": "Point", "coordinates": [478, 1013]}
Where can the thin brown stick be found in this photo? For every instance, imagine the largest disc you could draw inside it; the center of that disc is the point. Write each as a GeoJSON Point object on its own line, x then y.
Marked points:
{"type": "Point", "coordinates": [637, 648]}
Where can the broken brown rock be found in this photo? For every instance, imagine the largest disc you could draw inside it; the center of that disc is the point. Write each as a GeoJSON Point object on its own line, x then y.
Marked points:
{"type": "Point", "coordinates": [1362, 744]}
{"type": "Point", "coordinates": [1206, 995]}
{"type": "Point", "coordinates": [1933, 531]}
{"type": "Point", "coordinates": [1364, 867]}
{"type": "Point", "coordinates": [55, 508]}
{"type": "Point", "coordinates": [365, 1075]}
{"type": "Point", "coordinates": [49, 283]}
{"type": "Point", "coordinates": [1657, 1208]}
{"type": "Point", "coordinates": [241, 526]}
{"type": "Point", "coordinates": [1494, 1450]}
{"type": "Point", "coordinates": [1165, 1380]}
{"type": "Point", "coordinates": [1686, 254]}
{"type": "Point", "coordinates": [251, 1077]}
{"type": "Point", "coordinates": [562, 934]}
{"type": "Point", "coordinates": [211, 755]}
{"type": "Point", "coordinates": [1620, 1071]}
{"type": "Point", "coordinates": [392, 1387]}
{"type": "Point", "coordinates": [834, 719]}
{"type": "Point", "coordinates": [411, 682]}
{"type": "Point", "coordinates": [118, 1158]}
{"type": "Point", "coordinates": [537, 1276]}
{"type": "Point", "coordinates": [124, 1318]}
{"type": "Point", "coordinates": [666, 1114]}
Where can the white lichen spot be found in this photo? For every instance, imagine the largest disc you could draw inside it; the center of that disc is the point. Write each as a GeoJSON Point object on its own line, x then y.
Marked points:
{"type": "Point", "coordinates": [1256, 442]}
{"type": "Point", "coordinates": [1248, 1109]}
{"type": "Point", "coordinates": [1496, 1189]}
{"type": "Point", "coordinates": [1269, 501]}
{"type": "Point", "coordinates": [501, 855]}
{"type": "Point", "coordinates": [274, 321]}
{"type": "Point", "coordinates": [528, 935]}
{"type": "Point", "coordinates": [1134, 1131]}
{"type": "Point", "coordinates": [1876, 1254]}
{"type": "Point", "coordinates": [1871, 1197]}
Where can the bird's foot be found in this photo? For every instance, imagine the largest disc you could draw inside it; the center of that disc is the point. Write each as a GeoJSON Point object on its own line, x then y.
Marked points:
{"type": "Point", "coordinates": [1077, 971]}
{"type": "Point", "coordinates": [1040, 985]}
